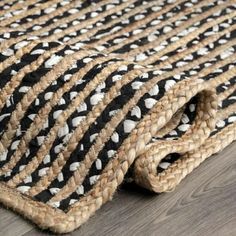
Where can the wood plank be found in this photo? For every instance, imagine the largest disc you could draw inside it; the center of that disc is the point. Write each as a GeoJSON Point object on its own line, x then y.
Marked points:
{"type": "Point", "coordinates": [12, 224]}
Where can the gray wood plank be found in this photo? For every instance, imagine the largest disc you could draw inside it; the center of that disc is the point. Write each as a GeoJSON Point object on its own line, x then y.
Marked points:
{"type": "Point", "coordinates": [203, 204]}
{"type": "Point", "coordinates": [12, 224]}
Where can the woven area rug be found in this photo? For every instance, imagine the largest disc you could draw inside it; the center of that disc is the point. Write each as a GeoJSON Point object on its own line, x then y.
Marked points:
{"type": "Point", "coordinates": [93, 93]}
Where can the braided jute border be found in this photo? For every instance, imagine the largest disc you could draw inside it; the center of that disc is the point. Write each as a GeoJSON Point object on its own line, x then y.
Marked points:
{"type": "Point", "coordinates": [135, 145]}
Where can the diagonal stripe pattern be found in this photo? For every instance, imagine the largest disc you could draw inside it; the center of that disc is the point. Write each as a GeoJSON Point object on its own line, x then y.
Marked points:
{"type": "Point", "coordinates": [94, 93]}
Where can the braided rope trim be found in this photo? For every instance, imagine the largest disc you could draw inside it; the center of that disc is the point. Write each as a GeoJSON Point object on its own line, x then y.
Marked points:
{"type": "Point", "coordinates": [169, 179]}
{"type": "Point", "coordinates": [145, 169]}
{"type": "Point", "coordinates": [204, 123]}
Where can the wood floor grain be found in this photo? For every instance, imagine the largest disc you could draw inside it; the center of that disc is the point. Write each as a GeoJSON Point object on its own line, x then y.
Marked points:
{"type": "Point", "coordinates": [203, 204]}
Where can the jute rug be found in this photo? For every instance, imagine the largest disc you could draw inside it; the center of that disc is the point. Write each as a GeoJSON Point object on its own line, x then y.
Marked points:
{"type": "Point", "coordinates": [96, 92]}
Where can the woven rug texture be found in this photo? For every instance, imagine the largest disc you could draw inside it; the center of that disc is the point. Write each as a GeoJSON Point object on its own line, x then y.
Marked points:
{"type": "Point", "coordinates": [94, 93]}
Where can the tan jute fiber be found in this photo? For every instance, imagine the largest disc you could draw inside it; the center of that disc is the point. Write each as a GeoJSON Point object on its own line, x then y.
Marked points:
{"type": "Point", "coordinates": [94, 93]}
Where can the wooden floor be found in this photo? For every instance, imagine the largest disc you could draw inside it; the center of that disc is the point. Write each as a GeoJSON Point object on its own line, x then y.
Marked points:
{"type": "Point", "coordinates": [203, 204]}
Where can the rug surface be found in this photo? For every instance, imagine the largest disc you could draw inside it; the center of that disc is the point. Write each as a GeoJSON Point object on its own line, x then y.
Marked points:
{"type": "Point", "coordinates": [93, 93]}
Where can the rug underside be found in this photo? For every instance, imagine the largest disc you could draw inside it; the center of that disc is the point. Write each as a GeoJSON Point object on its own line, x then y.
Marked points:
{"type": "Point", "coordinates": [94, 93]}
